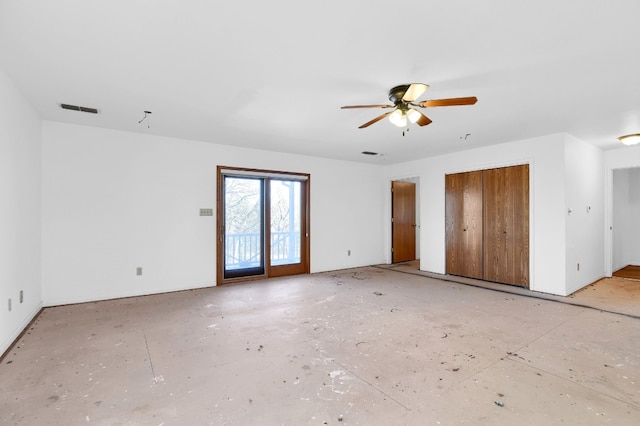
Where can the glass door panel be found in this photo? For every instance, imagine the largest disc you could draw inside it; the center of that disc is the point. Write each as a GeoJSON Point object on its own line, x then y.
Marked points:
{"type": "Point", "coordinates": [243, 226]}
{"type": "Point", "coordinates": [286, 222]}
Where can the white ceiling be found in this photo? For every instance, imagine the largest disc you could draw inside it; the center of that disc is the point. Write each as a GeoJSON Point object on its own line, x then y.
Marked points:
{"type": "Point", "coordinates": [273, 75]}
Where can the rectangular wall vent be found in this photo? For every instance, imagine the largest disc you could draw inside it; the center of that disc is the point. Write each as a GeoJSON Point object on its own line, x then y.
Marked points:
{"type": "Point", "coordinates": [79, 108]}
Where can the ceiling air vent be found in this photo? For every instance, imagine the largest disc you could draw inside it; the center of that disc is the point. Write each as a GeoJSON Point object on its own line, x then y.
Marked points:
{"type": "Point", "coordinates": [79, 108]}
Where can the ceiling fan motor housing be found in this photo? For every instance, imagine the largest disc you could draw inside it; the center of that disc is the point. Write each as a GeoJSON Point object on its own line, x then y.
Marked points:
{"type": "Point", "coordinates": [396, 93]}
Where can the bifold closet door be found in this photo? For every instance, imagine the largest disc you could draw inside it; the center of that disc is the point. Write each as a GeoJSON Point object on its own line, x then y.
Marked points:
{"type": "Point", "coordinates": [463, 227]}
{"type": "Point", "coordinates": [506, 225]}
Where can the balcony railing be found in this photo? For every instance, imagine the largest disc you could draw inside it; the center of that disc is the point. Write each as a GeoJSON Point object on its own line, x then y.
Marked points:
{"type": "Point", "coordinates": [245, 250]}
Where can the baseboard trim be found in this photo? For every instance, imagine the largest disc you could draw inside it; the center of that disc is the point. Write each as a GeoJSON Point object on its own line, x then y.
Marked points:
{"type": "Point", "coordinates": [8, 344]}
{"type": "Point", "coordinates": [105, 297]}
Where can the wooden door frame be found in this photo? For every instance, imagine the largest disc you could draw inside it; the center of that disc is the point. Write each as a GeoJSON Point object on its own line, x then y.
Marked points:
{"type": "Point", "coordinates": [305, 221]}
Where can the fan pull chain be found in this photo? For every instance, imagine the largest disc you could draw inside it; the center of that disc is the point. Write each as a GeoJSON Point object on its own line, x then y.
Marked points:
{"type": "Point", "coordinates": [146, 114]}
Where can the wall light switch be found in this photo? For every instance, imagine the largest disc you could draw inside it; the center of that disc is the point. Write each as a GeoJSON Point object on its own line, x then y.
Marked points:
{"type": "Point", "coordinates": [9, 304]}
{"type": "Point", "coordinates": [21, 296]}
{"type": "Point", "coordinates": [206, 212]}
{"type": "Point", "coordinates": [139, 270]}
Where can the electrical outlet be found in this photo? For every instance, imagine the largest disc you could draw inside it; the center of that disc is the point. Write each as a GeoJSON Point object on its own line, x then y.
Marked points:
{"type": "Point", "coordinates": [139, 270]}
{"type": "Point", "coordinates": [9, 304]}
{"type": "Point", "coordinates": [21, 296]}
{"type": "Point", "coordinates": [206, 212]}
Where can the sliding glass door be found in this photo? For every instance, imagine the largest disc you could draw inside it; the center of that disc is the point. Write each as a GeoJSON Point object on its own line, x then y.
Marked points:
{"type": "Point", "coordinates": [262, 224]}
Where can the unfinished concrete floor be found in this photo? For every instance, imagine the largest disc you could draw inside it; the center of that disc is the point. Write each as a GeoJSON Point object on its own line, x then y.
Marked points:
{"type": "Point", "coordinates": [366, 346]}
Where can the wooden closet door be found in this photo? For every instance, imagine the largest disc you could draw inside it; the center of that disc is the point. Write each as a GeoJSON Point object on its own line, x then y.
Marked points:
{"type": "Point", "coordinates": [506, 225]}
{"type": "Point", "coordinates": [403, 226]}
{"type": "Point", "coordinates": [463, 226]}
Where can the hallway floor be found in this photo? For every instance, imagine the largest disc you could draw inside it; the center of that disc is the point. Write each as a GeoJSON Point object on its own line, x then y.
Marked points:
{"type": "Point", "coordinates": [365, 346]}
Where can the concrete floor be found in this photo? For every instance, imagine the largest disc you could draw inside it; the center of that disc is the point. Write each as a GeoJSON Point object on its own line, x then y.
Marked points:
{"type": "Point", "coordinates": [614, 294]}
{"type": "Point", "coordinates": [367, 346]}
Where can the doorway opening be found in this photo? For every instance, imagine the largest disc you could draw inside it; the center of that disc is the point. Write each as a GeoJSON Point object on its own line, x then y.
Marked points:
{"type": "Point", "coordinates": [262, 223]}
{"type": "Point", "coordinates": [625, 199]}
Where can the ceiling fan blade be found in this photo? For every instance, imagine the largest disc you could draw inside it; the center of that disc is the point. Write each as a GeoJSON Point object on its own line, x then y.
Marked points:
{"type": "Point", "coordinates": [375, 120]}
{"type": "Point", "coordinates": [414, 91]}
{"type": "Point", "coordinates": [449, 102]}
{"type": "Point", "coordinates": [367, 106]}
{"type": "Point", "coordinates": [423, 120]}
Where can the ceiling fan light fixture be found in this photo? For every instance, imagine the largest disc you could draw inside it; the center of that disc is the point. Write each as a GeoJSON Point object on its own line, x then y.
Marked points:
{"type": "Point", "coordinates": [629, 140]}
{"type": "Point", "coordinates": [413, 115]}
{"type": "Point", "coordinates": [399, 118]}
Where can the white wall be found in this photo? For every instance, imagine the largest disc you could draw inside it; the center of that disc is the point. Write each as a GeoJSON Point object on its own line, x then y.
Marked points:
{"type": "Point", "coordinates": [114, 201]}
{"type": "Point", "coordinates": [584, 171]}
{"type": "Point", "coordinates": [20, 190]}
{"type": "Point", "coordinates": [622, 158]}
{"type": "Point", "coordinates": [545, 156]}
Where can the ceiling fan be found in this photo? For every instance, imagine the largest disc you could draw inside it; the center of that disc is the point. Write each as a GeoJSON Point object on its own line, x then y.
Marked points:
{"type": "Point", "coordinates": [404, 103]}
